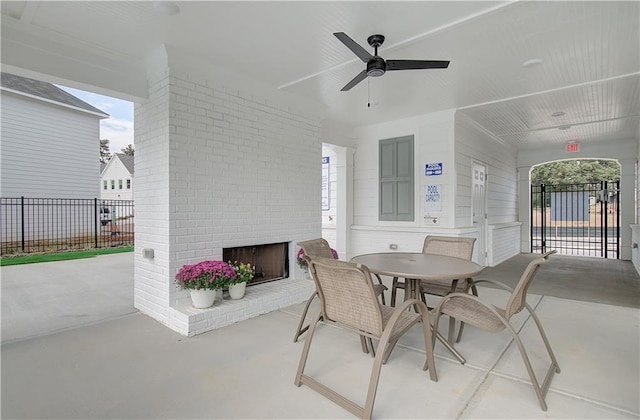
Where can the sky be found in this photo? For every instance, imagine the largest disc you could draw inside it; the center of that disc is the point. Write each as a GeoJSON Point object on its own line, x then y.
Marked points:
{"type": "Point", "coordinates": [118, 128]}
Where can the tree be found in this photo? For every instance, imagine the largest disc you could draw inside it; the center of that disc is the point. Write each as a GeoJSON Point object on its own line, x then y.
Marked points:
{"type": "Point", "coordinates": [128, 150]}
{"type": "Point", "coordinates": [575, 172]}
{"type": "Point", "coordinates": [105, 154]}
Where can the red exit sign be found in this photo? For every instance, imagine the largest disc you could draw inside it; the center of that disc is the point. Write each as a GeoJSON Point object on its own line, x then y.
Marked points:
{"type": "Point", "coordinates": [573, 147]}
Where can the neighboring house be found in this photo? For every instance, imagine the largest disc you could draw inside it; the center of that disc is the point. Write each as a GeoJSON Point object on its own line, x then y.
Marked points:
{"type": "Point", "coordinates": [116, 178]}
{"type": "Point", "coordinates": [37, 114]}
{"type": "Point", "coordinates": [49, 150]}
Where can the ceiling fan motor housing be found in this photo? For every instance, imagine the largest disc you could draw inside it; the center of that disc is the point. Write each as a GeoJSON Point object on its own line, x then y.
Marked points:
{"type": "Point", "coordinates": [376, 67]}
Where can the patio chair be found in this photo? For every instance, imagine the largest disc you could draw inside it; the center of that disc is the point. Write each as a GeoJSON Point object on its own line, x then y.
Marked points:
{"type": "Point", "coordinates": [474, 311]}
{"type": "Point", "coordinates": [451, 247]}
{"type": "Point", "coordinates": [320, 248]}
{"type": "Point", "coordinates": [348, 300]}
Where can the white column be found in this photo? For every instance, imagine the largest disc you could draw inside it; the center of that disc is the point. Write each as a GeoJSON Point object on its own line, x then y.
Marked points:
{"type": "Point", "coordinates": [524, 208]}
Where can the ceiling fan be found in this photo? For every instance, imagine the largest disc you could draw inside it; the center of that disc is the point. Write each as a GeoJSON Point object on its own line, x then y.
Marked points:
{"type": "Point", "coordinates": [376, 65]}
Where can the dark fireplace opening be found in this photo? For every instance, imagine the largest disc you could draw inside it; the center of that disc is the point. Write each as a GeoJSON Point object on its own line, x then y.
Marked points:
{"type": "Point", "coordinates": [270, 260]}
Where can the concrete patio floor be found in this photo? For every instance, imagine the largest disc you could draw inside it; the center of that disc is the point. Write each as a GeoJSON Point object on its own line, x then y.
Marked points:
{"type": "Point", "coordinates": [130, 366]}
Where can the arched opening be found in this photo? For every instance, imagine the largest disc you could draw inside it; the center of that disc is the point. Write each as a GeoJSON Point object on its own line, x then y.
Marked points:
{"type": "Point", "coordinates": [575, 207]}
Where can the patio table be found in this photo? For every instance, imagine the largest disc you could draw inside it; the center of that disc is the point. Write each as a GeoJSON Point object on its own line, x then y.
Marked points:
{"type": "Point", "coordinates": [416, 266]}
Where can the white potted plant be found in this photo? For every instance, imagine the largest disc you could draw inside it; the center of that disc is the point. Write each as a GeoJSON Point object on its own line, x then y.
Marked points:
{"type": "Point", "coordinates": [237, 285]}
{"type": "Point", "coordinates": [204, 279]}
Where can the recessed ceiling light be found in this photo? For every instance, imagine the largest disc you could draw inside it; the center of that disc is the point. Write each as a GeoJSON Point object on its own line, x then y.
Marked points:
{"type": "Point", "coordinates": [558, 114]}
{"type": "Point", "coordinates": [531, 63]}
{"type": "Point", "coordinates": [564, 127]}
{"type": "Point", "coordinates": [166, 7]}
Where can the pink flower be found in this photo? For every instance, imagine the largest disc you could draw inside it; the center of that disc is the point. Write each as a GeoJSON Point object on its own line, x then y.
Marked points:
{"type": "Point", "coordinates": [205, 275]}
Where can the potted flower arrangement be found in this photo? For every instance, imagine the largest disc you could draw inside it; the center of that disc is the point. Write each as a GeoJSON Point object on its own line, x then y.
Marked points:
{"type": "Point", "coordinates": [203, 279]}
{"type": "Point", "coordinates": [244, 273]}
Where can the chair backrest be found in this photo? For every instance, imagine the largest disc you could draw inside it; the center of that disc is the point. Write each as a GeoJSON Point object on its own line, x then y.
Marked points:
{"type": "Point", "coordinates": [518, 297]}
{"type": "Point", "coordinates": [449, 246]}
{"type": "Point", "coordinates": [346, 294]}
{"type": "Point", "coordinates": [316, 248]}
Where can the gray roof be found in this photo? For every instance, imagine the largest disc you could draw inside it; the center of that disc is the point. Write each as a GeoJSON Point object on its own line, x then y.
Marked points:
{"type": "Point", "coordinates": [46, 91]}
{"type": "Point", "coordinates": [127, 161]}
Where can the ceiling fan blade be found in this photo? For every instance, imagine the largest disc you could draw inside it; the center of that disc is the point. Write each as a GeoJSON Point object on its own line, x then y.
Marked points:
{"type": "Point", "coordinates": [416, 64]}
{"type": "Point", "coordinates": [353, 46]}
{"type": "Point", "coordinates": [359, 78]}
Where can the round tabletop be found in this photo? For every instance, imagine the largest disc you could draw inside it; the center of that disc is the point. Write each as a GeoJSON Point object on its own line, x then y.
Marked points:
{"type": "Point", "coordinates": [416, 265]}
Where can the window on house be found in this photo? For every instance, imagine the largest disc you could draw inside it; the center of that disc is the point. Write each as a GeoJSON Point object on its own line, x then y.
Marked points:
{"type": "Point", "coordinates": [396, 198]}
{"type": "Point", "coordinates": [119, 184]}
{"type": "Point", "coordinates": [113, 184]}
{"type": "Point", "coordinates": [128, 184]}
{"type": "Point", "coordinates": [104, 184]}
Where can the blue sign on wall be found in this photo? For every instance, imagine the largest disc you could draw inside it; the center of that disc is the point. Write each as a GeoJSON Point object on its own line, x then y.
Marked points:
{"type": "Point", "coordinates": [431, 169]}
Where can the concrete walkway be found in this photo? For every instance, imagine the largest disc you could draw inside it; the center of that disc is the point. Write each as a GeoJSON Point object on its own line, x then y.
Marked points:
{"type": "Point", "coordinates": [130, 366]}
{"type": "Point", "coordinates": [43, 298]}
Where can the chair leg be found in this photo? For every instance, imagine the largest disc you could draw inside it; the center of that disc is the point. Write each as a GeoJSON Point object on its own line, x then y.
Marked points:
{"type": "Point", "coordinates": [437, 336]}
{"type": "Point", "coordinates": [474, 291]}
{"type": "Point", "coordinates": [540, 391]}
{"type": "Point", "coordinates": [452, 329]}
{"type": "Point", "coordinates": [373, 384]}
{"type": "Point", "coordinates": [363, 343]}
{"type": "Point", "coordinates": [460, 332]}
{"type": "Point", "coordinates": [394, 287]}
{"type": "Point", "coordinates": [300, 330]}
{"type": "Point", "coordinates": [544, 338]}
{"type": "Point", "coordinates": [305, 350]}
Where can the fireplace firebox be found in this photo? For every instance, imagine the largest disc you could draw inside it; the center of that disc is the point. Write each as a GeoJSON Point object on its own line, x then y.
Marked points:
{"type": "Point", "coordinates": [270, 260]}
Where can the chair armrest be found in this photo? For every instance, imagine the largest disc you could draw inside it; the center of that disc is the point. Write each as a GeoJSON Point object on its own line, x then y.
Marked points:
{"type": "Point", "coordinates": [494, 282]}
{"type": "Point", "coordinates": [490, 307]}
{"type": "Point", "coordinates": [380, 281]}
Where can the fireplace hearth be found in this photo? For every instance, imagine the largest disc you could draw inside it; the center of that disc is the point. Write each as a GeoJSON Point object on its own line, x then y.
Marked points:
{"type": "Point", "coordinates": [271, 261]}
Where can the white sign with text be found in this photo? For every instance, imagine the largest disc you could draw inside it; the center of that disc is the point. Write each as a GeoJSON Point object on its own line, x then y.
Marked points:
{"type": "Point", "coordinates": [432, 198]}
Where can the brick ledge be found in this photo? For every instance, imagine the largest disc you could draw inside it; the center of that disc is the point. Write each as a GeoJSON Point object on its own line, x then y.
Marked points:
{"type": "Point", "coordinates": [258, 300]}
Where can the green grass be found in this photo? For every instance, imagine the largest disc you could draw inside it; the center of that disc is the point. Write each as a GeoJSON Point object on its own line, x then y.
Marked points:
{"type": "Point", "coordinates": [72, 255]}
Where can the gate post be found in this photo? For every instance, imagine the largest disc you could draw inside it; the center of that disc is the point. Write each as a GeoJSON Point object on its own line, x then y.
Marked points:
{"type": "Point", "coordinates": [22, 219]}
{"type": "Point", "coordinates": [543, 222]}
{"type": "Point", "coordinates": [604, 214]}
{"type": "Point", "coordinates": [95, 222]}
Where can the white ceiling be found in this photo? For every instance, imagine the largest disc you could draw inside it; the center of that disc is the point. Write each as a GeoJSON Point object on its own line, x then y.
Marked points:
{"type": "Point", "coordinates": [590, 54]}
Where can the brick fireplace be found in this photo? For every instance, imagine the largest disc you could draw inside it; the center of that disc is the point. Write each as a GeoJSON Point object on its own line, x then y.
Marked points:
{"type": "Point", "coordinates": [277, 286]}
{"type": "Point", "coordinates": [221, 165]}
{"type": "Point", "coordinates": [271, 261]}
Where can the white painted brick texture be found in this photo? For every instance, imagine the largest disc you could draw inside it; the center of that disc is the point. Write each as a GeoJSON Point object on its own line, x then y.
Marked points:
{"type": "Point", "coordinates": [152, 289]}
{"type": "Point", "coordinates": [240, 170]}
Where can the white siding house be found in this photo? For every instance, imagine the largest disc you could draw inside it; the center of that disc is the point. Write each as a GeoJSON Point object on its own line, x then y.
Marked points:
{"type": "Point", "coordinates": [116, 178]}
{"type": "Point", "coordinates": [39, 122]}
{"type": "Point", "coordinates": [48, 162]}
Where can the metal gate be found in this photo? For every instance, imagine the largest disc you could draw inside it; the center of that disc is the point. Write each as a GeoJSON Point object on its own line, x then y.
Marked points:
{"type": "Point", "coordinates": [576, 219]}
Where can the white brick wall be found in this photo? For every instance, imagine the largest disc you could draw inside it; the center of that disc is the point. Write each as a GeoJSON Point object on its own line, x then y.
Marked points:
{"type": "Point", "coordinates": [241, 170]}
{"type": "Point", "coordinates": [152, 277]}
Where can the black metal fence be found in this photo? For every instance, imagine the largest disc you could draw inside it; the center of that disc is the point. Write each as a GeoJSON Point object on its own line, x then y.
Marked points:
{"type": "Point", "coordinates": [576, 219]}
{"type": "Point", "coordinates": [37, 225]}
